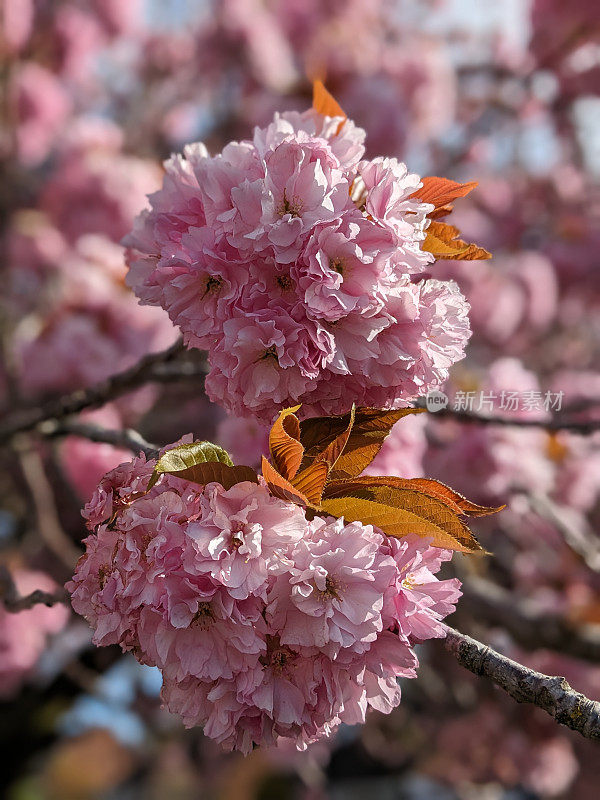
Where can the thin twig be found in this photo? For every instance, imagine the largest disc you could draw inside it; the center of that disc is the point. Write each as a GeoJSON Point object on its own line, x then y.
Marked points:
{"type": "Point", "coordinates": [550, 693]}
{"type": "Point", "coordinates": [147, 370]}
{"type": "Point", "coordinates": [14, 602]}
{"type": "Point", "coordinates": [527, 623]}
{"type": "Point", "coordinates": [126, 438]}
{"type": "Point", "coordinates": [163, 367]}
{"type": "Point", "coordinates": [578, 534]}
{"type": "Point", "coordinates": [554, 424]}
{"type": "Point", "coordinates": [48, 522]}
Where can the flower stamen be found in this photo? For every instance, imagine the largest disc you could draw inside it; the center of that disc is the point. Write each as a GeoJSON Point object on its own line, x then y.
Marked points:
{"type": "Point", "coordinates": [337, 265]}
{"type": "Point", "coordinates": [203, 617]}
{"type": "Point", "coordinates": [292, 207]}
{"type": "Point", "coordinates": [285, 283]}
{"type": "Point", "coordinates": [332, 589]}
{"type": "Point", "coordinates": [212, 286]}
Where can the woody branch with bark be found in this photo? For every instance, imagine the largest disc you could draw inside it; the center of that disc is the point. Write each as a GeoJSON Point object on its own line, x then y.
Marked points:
{"type": "Point", "coordinates": [322, 488]}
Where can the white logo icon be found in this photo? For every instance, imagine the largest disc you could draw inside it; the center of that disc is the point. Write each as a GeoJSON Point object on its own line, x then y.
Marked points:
{"type": "Point", "coordinates": [436, 401]}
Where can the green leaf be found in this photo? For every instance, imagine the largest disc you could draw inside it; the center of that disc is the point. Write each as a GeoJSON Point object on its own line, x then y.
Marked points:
{"type": "Point", "coordinates": [186, 456]}
{"type": "Point", "coordinates": [215, 472]}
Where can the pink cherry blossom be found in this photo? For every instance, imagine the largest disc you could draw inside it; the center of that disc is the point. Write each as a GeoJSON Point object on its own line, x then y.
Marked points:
{"type": "Point", "coordinates": [265, 358]}
{"type": "Point", "coordinates": [338, 571]}
{"type": "Point", "coordinates": [85, 318]}
{"type": "Point", "coordinates": [265, 626]}
{"type": "Point", "coordinates": [106, 187]}
{"type": "Point", "coordinates": [85, 462]}
{"type": "Point", "coordinates": [23, 635]}
{"type": "Point", "coordinates": [238, 533]}
{"type": "Point", "coordinates": [418, 598]}
{"type": "Point", "coordinates": [402, 451]}
{"type": "Point", "coordinates": [17, 20]}
{"type": "Point", "coordinates": [303, 187]}
{"type": "Point", "coordinates": [385, 187]}
{"type": "Point", "coordinates": [342, 268]}
{"type": "Point", "coordinates": [42, 106]}
{"type": "Point", "coordinates": [245, 438]}
{"type": "Point", "coordinates": [300, 269]}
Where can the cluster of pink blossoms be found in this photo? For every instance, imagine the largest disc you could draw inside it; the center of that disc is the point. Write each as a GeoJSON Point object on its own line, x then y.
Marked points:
{"type": "Point", "coordinates": [300, 268]}
{"type": "Point", "coordinates": [265, 626]}
{"type": "Point", "coordinates": [24, 635]}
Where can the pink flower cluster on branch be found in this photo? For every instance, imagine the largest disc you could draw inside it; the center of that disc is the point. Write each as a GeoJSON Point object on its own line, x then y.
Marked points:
{"type": "Point", "coordinates": [265, 625]}
{"type": "Point", "coordinates": [300, 267]}
{"type": "Point", "coordinates": [23, 635]}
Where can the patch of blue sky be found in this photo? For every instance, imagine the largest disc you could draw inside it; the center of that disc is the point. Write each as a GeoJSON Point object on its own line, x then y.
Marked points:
{"type": "Point", "coordinates": [484, 20]}
{"type": "Point", "coordinates": [92, 712]}
{"type": "Point", "coordinates": [176, 14]}
{"type": "Point", "coordinates": [538, 147]}
{"type": "Point", "coordinates": [109, 705]}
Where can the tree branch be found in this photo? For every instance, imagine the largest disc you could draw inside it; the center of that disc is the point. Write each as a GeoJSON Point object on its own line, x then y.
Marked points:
{"type": "Point", "coordinates": [14, 602]}
{"type": "Point", "coordinates": [127, 438]}
{"type": "Point", "coordinates": [550, 693]}
{"type": "Point", "coordinates": [163, 367]}
{"type": "Point", "coordinates": [528, 625]}
{"type": "Point", "coordinates": [49, 526]}
{"type": "Point", "coordinates": [578, 535]}
{"type": "Point", "coordinates": [556, 423]}
{"type": "Point", "coordinates": [151, 368]}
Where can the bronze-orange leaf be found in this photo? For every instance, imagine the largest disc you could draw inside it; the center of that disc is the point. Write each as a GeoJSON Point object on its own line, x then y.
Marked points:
{"type": "Point", "coordinates": [370, 429]}
{"type": "Point", "coordinates": [451, 497]}
{"type": "Point", "coordinates": [455, 501]}
{"type": "Point", "coordinates": [284, 446]}
{"type": "Point", "coordinates": [430, 522]}
{"type": "Point", "coordinates": [425, 506]}
{"type": "Point", "coordinates": [282, 488]}
{"type": "Point", "coordinates": [441, 192]}
{"type": "Point", "coordinates": [310, 481]}
{"type": "Point", "coordinates": [442, 240]}
{"type": "Point", "coordinates": [335, 448]}
{"type": "Point", "coordinates": [325, 103]}
{"type": "Point", "coordinates": [333, 451]}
